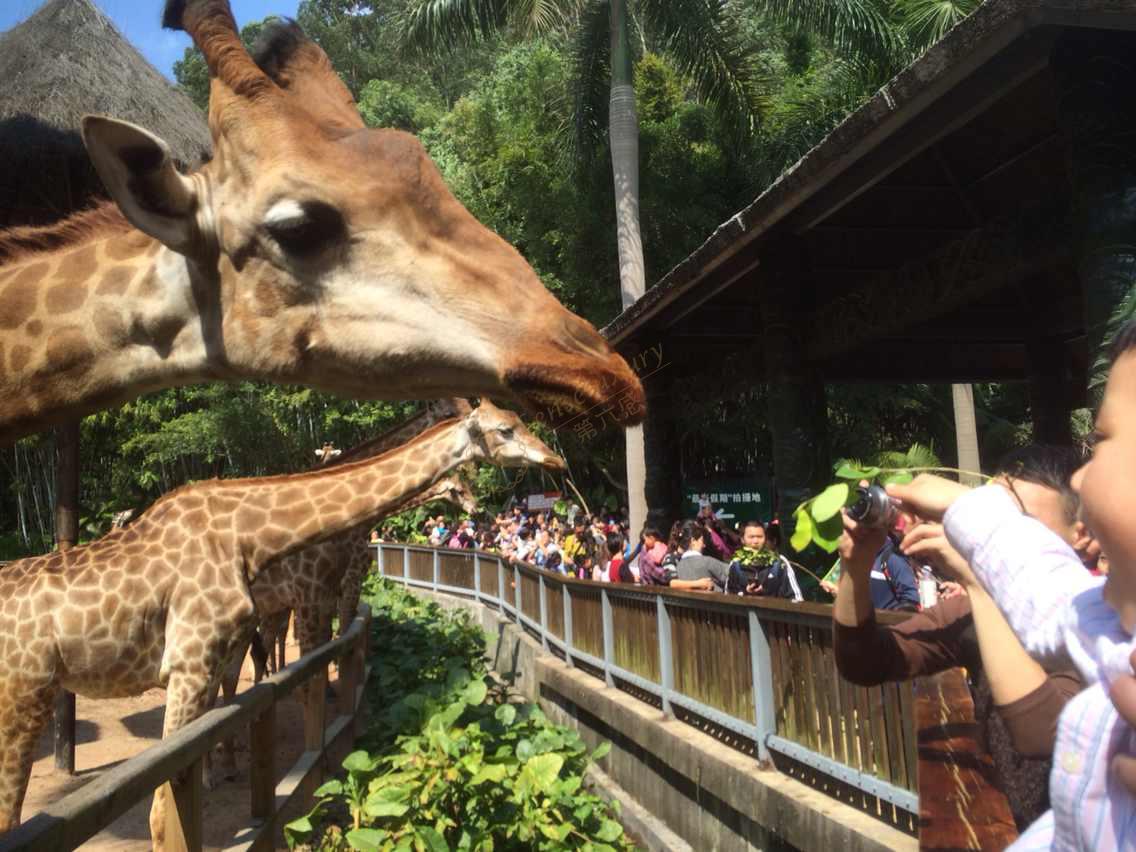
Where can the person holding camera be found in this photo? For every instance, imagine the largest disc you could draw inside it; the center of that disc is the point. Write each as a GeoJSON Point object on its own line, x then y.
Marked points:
{"type": "Point", "coordinates": [1016, 702]}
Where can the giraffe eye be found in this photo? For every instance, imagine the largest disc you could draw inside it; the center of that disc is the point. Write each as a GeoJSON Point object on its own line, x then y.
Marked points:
{"type": "Point", "coordinates": [306, 228]}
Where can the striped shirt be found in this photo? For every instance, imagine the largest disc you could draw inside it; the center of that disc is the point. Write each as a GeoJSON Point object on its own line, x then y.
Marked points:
{"type": "Point", "coordinates": [1058, 611]}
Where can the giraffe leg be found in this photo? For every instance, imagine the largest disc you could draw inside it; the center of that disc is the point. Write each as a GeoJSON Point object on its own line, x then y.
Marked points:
{"type": "Point", "coordinates": [188, 696]}
{"type": "Point", "coordinates": [23, 716]}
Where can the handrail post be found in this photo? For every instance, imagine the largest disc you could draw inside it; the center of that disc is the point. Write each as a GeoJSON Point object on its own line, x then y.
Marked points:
{"type": "Point", "coordinates": [379, 561]}
{"type": "Point", "coordinates": [568, 625]}
{"type": "Point", "coordinates": [436, 570]}
{"type": "Point", "coordinates": [501, 593]}
{"type": "Point", "coordinates": [762, 671]}
{"type": "Point", "coordinates": [262, 763]}
{"type": "Point", "coordinates": [183, 808]}
{"type": "Point", "coordinates": [608, 637]}
{"type": "Point", "coordinates": [517, 592]}
{"type": "Point", "coordinates": [543, 613]}
{"type": "Point", "coordinates": [405, 563]}
{"type": "Point", "coordinates": [666, 663]}
{"type": "Point", "coordinates": [477, 576]}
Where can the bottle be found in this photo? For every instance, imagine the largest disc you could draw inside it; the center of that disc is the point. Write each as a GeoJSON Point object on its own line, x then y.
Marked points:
{"type": "Point", "coordinates": [928, 588]}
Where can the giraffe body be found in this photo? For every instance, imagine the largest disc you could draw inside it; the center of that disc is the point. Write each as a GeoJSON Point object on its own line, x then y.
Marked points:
{"type": "Point", "coordinates": [167, 600]}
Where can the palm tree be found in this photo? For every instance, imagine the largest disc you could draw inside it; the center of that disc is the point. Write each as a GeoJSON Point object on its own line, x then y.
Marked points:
{"type": "Point", "coordinates": [701, 38]}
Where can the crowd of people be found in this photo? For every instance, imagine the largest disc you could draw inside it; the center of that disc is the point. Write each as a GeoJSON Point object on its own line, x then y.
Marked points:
{"type": "Point", "coordinates": [699, 554]}
{"type": "Point", "coordinates": [1033, 594]}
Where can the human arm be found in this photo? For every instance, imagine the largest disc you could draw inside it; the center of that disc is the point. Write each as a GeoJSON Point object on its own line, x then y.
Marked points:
{"type": "Point", "coordinates": [858, 548]}
{"type": "Point", "coordinates": [1029, 572]}
{"type": "Point", "coordinates": [703, 584]}
{"type": "Point", "coordinates": [1012, 672]}
{"type": "Point", "coordinates": [1031, 721]}
{"type": "Point", "coordinates": [928, 642]}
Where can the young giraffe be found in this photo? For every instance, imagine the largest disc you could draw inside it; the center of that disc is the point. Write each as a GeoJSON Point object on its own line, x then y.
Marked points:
{"type": "Point", "coordinates": [309, 250]}
{"type": "Point", "coordinates": [166, 601]}
{"type": "Point", "coordinates": [311, 582]}
{"type": "Point", "coordinates": [327, 578]}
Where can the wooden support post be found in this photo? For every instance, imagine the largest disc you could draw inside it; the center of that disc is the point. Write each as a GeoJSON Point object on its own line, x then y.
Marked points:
{"type": "Point", "coordinates": [66, 537]}
{"type": "Point", "coordinates": [262, 763]}
{"type": "Point", "coordinates": [315, 703]}
{"type": "Point", "coordinates": [350, 673]}
{"type": "Point", "coordinates": [183, 811]}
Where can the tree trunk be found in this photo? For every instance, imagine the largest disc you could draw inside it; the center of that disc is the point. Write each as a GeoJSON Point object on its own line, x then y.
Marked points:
{"type": "Point", "coordinates": [966, 433]}
{"type": "Point", "coordinates": [623, 136]}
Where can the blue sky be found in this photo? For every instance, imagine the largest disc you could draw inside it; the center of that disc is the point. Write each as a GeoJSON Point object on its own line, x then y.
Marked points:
{"type": "Point", "coordinates": [140, 22]}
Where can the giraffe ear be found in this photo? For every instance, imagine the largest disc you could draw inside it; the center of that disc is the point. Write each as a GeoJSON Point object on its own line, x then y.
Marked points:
{"type": "Point", "coordinates": [139, 173]}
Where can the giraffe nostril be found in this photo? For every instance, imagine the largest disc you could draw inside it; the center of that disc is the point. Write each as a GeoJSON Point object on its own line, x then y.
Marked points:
{"type": "Point", "coordinates": [585, 338]}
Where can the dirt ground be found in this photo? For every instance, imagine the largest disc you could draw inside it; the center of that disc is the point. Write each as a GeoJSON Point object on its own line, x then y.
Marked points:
{"type": "Point", "coordinates": [112, 730]}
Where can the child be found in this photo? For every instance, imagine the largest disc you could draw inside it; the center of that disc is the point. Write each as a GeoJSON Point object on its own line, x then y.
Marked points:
{"type": "Point", "coordinates": [1058, 609]}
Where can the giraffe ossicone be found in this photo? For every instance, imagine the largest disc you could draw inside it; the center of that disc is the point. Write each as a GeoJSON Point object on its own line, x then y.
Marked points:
{"type": "Point", "coordinates": [309, 250]}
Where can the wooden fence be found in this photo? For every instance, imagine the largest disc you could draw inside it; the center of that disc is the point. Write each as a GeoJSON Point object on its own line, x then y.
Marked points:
{"type": "Point", "coordinates": [177, 760]}
{"type": "Point", "coordinates": [757, 673]}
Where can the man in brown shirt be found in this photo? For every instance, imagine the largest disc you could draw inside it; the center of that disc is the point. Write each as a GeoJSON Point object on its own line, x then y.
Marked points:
{"type": "Point", "coordinates": [1016, 702]}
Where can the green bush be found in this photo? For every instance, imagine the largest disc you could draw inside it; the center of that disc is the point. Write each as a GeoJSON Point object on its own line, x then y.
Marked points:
{"type": "Point", "coordinates": [451, 760]}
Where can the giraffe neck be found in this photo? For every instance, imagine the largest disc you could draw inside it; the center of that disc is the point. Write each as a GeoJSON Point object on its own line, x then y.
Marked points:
{"type": "Point", "coordinates": [277, 516]}
{"type": "Point", "coordinates": [96, 322]}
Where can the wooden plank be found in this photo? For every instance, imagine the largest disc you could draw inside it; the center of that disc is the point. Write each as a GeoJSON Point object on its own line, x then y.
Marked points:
{"type": "Point", "coordinates": [183, 810]}
{"type": "Point", "coordinates": [959, 807]}
{"type": "Point", "coordinates": [262, 763]}
{"type": "Point", "coordinates": [879, 735]}
{"type": "Point", "coordinates": [893, 718]}
{"type": "Point", "coordinates": [911, 757]}
{"type": "Point", "coordinates": [822, 677]}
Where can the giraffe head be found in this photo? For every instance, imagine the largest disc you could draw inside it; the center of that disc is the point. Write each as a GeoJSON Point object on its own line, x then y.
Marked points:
{"type": "Point", "coordinates": [329, 254]}
{"type": "Point", "coordinates": [500, 437]}
{"type": "Point", "coordinates": [454, 490]}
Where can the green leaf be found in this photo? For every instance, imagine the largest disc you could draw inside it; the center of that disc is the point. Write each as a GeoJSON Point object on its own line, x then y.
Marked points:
{"type": "Point", "coordinates": [476, 691]}
{"type": "Point", "coordinates": [829, 502]}
{"type": "Point", "coordinates": [900, 477]}
{"type": "Point", "coordinates": [434, 841]}
{"type": "Point", "coordinates": [827, 534]}
{"type": "Point", "coordinates": [543, 770]}
{"type": "Point", "coordinates": [506, 714]}
{"type": "Point", "coordinates": [329, 788]}
{"type": "Point", "coordinates": [376, 807]}
{"type": "Point", "coordinates": [297, 829]}
{"type": "Point", "coordinates": [366, 839]}
{"type": "Point", "coordinates": [609, 830]}
{"type": "Point", "coordinates": [524, 749]}
{"type": "Point", "coordinates": [803, 533]}
{"type": "Point", "coordinates": [601, 750]}
{"type": "Point", "coordinates": [847, 471]}
{"type": "Point", "coordinates": [358, 761]}
{"type": "Point", "coordinates": [495, 772]}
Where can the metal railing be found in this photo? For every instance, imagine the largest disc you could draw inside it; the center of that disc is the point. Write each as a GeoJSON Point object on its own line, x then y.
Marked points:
{"type": "Point", "coordinates": [758, 673]}
{"type": "Point", "coordinates": [177, 760]}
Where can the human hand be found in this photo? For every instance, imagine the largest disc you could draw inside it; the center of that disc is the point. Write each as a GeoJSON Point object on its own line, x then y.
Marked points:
{"type": "Point", "coordinates": [1123, 695]}
{"type": "Point", "coordinates": [828, 587]}
{"type": "Point", "coordinates": [927, 496]}
{"type": "Point", "coordinates": [950, 589]}
{"type": "Point", "coordinates": [858, 547]}
{"type": "Point", "coordinates": [928, 543]}
{"type": "Point", "coordinates": [754, 589]}
{"type": "Point", "coordinates": [705, 584]}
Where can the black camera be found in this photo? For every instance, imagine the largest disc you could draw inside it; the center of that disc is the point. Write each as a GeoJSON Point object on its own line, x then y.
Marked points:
{"type": "Point", "coordinates": [873, 508]}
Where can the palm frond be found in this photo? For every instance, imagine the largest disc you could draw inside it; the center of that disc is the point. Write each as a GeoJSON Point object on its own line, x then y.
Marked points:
{"type": "Point", "coordinates": [449, 24]}
{"type": "Point", "coordinates": [703, 39]}
{"type": "Point", "coordinates": [854, 28]}
{"type": "Point", "coordinates": [591, 75]}
{"type": "Point", "coordinates": [927, 21]}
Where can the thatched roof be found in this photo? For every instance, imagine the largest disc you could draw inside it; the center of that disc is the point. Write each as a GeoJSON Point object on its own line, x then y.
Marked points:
{"type": "Point", "coordinates": [63, 62]}
{"type": "Point", "coordinates": [68, 59]}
